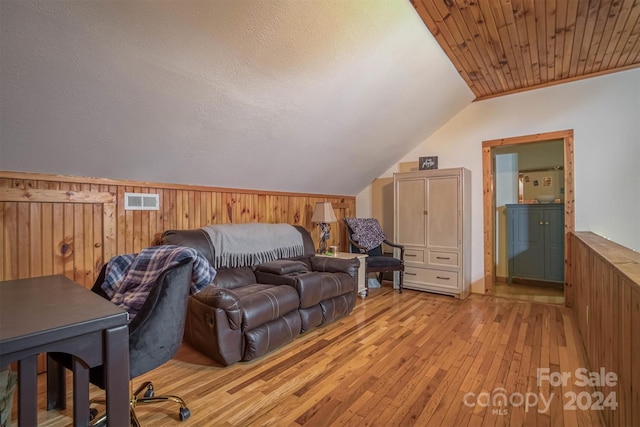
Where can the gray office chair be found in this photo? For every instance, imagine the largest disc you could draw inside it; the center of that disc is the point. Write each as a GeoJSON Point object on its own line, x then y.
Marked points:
{"type": "Point", "coordinates": [155, 335]}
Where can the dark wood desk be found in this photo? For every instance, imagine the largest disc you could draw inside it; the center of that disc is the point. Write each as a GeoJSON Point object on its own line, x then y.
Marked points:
{"type": "Point", "coordinates": [54, 314]}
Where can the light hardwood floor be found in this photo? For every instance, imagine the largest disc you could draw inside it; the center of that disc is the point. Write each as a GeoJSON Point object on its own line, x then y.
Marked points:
{"type": "Point", "coordinates": [402, 360]}
{"type": "Point", "coordinates": [546, 295]}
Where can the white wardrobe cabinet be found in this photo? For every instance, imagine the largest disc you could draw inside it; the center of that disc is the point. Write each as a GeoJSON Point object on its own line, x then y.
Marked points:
{"type": "Point", "coordinates": [432, 219]}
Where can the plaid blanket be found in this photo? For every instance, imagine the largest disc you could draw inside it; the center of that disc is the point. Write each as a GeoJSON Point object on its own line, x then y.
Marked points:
{"type": "Point", "coordinates": [129, 278]}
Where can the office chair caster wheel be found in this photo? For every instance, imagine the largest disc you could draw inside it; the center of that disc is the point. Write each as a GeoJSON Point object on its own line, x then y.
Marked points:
{"type": "Point", "coordinates": [185, 413]}
{"type": "Point", "coordinates": [149, 393]}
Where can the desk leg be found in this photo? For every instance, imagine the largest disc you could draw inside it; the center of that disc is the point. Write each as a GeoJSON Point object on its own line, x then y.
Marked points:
{"type": "Point", "coordinates": [56, 385]}
{"type": "Point", "coordinates": [27, 392]}
{"type": "Point", "coordinates": [80, 393]}
{"type": "Point", "coordinates": [117, 375]}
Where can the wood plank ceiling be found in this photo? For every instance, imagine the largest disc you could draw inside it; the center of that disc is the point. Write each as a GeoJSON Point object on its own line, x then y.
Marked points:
{"type": "Point", "coordinates": [507, 46]}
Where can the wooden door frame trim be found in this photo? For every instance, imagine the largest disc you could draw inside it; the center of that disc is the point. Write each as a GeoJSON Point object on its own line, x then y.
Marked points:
{"type": "Point", "coordinates": [489, 208]}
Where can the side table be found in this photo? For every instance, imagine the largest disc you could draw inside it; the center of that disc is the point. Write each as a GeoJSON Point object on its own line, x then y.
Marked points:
{"type": "Point", "coordinates": [363, 289]}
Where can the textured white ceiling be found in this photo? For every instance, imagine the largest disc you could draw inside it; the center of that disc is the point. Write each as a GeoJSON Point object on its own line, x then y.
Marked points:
{"type": "Point", "coordinates": [303, 96]}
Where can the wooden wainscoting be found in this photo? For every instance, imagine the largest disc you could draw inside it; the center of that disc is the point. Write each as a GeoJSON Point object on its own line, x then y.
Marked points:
{"type": "Point", "coordinates": [606, 284]}
{"type": "Point", "coordinates": [55, 224]}
{"type": "Point", "coordinates": [48, 232]}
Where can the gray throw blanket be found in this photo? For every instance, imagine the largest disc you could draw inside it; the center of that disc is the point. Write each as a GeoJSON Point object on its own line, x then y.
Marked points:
{"type": "Point", "coordinates": [240, 245]}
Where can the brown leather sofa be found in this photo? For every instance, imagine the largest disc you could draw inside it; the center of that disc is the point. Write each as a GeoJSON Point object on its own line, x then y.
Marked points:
{"type": "Point", "coordinates": [249, 311]}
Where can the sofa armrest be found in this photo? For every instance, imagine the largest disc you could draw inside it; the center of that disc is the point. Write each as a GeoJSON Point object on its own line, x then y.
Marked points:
{"type": "Point", "coordinates": [335, 265]}
{"type": "Point", "coordinates": [282, 267]}
{"type": "Point", "coordinates": [224, 299]}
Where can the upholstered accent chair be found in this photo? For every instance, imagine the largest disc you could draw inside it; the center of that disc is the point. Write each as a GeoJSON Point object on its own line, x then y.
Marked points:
{"type": "Point", "coordinates": [365, 236]}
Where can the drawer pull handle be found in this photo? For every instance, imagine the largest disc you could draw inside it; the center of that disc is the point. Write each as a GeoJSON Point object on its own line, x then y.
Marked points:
{"type": "Point", "coordinates": [410, 274]}
{"type": "Point", "coordinates": [443, 257]}
{"type": "Point", "coordinates": [410, 255]}
{"type": "Point", "coordinates": [442, 278]}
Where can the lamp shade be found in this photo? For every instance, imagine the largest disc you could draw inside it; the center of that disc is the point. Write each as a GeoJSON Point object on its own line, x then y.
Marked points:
{"type": "Point", "coordinates": [323, 212]}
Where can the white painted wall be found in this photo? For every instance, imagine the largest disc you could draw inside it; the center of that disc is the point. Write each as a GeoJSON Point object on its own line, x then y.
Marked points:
{"type": "Point", "coordinates": [604, 113]}
{"type": "Point", "coordinates": [306, 96]}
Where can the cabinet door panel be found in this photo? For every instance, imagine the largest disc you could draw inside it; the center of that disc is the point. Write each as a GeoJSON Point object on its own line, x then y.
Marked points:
{"type": "Point", "coordinates": [442, 213]}
{"type": "Point", "coordinates": [410, 216]}
{"type": "Point", "coordinates": [554, 236]}
{"type": "Point", "coordinates": [554, 264]}
{"type": "Point", "coordinates": [527, 252]}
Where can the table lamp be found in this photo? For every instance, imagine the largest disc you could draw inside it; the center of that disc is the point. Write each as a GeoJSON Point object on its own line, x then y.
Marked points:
{"type": "Point", "coordinates": [323, 215]}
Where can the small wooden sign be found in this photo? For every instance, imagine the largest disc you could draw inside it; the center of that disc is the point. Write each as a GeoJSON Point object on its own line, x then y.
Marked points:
{"type": "Point", "coordinates": [430, 162]}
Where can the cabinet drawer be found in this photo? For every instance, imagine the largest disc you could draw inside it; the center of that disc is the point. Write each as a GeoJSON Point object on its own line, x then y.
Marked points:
{"type": "Point", "coordinates": [443, 258]}
{"type": "Point", "coordinates": [439, 278]}
{"type": "Point", "coordinates": [414, 255]}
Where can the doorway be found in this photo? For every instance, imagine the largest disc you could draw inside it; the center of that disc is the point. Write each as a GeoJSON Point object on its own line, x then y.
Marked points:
{"type": "Point", "coordinates": [489, 202]}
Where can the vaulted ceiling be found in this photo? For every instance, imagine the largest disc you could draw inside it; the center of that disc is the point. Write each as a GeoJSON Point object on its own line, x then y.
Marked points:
{"type": "Point", "coordinates": [505, 46]}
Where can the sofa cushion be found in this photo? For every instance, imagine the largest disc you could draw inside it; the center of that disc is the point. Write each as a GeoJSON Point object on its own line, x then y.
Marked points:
{"type": "Point", "coordinates": [310, 318]}
{"type": "Point", "coordinates": [315, 287]}
{"type": "Point", "coordinates": [383, 261]}
{"type": "Point", "coordinates": [264, 303]}
{"type": "Point", "coordinates": [233, 278]}
{"type": "Point", "coordinates": [272, 335]}
{"type": "Point", "coordinates": [336, 308]}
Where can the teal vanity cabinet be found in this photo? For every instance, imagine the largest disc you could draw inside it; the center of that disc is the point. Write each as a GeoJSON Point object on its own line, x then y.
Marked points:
{"type": "Point", "coordinates": [535, 240]}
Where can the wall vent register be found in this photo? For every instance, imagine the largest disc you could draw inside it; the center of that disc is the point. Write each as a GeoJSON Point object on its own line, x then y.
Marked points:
{"type": "Point", "coordinates": [141, 202]}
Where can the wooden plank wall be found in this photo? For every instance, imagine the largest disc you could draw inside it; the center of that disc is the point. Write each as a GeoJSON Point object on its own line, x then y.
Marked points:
{"type": "Point", "coordinates": [40, 228]}
{"type": "Point", "coordinates": [606, 283]}
{"type": "Point", "coordinates": [66, 238]}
